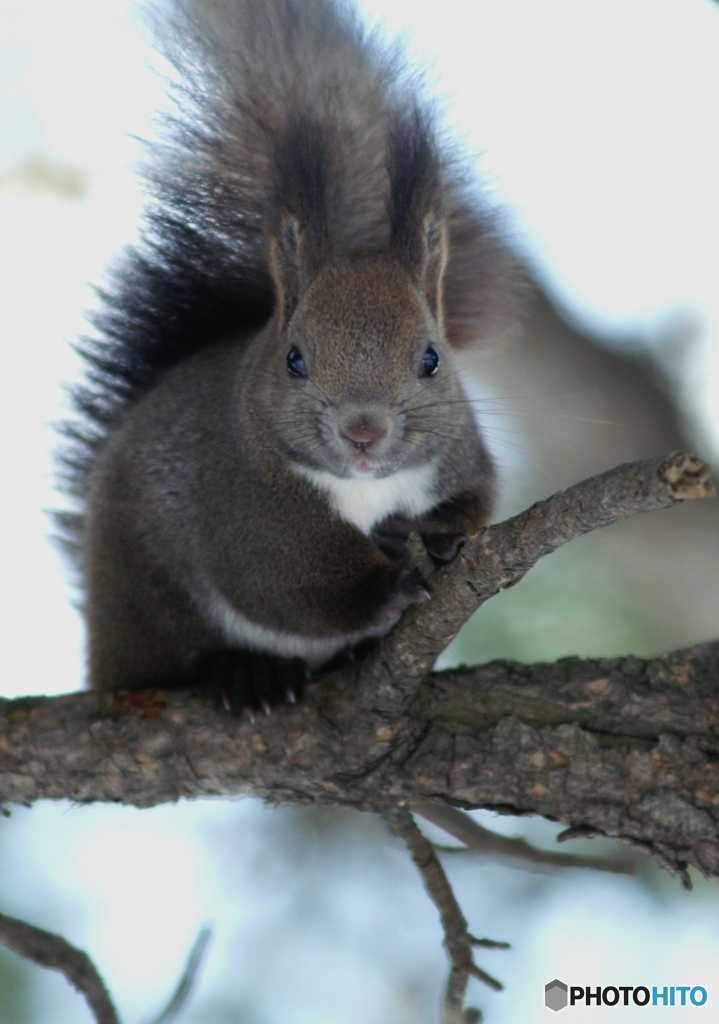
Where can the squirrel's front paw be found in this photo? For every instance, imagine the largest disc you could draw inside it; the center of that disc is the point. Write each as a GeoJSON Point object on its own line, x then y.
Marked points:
{"type": "Point", "coordinates": [409, 589]}
{"type": "Point", "coordinates": [441, 531]}
{"type": "Point", "coordinates": [247, 682]}
{"type": "Point", "coordinates": [443, 547]}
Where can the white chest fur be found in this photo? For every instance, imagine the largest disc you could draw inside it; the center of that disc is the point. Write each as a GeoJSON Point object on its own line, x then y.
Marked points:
{"type": "Point", "coordinates": [364, 503]}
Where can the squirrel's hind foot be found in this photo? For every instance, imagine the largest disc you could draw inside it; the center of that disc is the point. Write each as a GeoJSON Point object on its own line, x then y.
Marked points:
{"type": "Point", "coordinates": [249, 683]}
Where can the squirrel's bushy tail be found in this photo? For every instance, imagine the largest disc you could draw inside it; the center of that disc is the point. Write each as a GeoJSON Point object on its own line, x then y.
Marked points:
{"type": "Point", "coordinates": [253, 75]}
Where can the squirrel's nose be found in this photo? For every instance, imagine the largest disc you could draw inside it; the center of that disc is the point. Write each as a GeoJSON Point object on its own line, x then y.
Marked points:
{"type": "Point", "coordinates": [364, 431]}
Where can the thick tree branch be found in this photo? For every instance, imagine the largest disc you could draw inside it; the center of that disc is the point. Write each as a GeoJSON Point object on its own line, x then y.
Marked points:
{"type": "Point", "coordinates": [621, 747]}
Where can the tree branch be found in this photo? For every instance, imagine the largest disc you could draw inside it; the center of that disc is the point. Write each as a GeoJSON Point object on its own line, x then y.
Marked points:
{"type": "Point", "coordinates": [457, 940]}
{"type": "Point", "coordinates": [521, 853]}
{"type": "Point", "coordinates": [184, 986]}
{"type": "Point", "coordinates": [48, 950]}
{"type": "Point", "coordinates": [620, 747]}
{"type": "Point", "coordinates": [52, 951]}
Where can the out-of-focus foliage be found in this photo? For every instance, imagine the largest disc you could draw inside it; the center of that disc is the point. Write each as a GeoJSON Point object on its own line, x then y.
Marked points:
{"type": "Point", "coordinates": [15, 988]}
{"type": "Point", "coordinates": [584, 601]}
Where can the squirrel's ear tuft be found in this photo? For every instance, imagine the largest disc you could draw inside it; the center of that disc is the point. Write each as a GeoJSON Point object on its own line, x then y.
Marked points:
{"type": "Point", "coordinates": [434, 261]}
{"type": "Point", "coordinates": [418, 234]}
{"type": "Point", "coordinates": [289, 264]}
{"type": "Point", "coordinates": [298, 242]}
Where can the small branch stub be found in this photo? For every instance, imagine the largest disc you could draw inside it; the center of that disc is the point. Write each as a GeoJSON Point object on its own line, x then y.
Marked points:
{"type": "Point", "coordinates": [687, 476]}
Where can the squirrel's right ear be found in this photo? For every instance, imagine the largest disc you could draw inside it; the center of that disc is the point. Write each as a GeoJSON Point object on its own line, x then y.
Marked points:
{"type": "Point", "coordinates": [298, 244]}
{"type": "Point", "coordinates": [292, 264]}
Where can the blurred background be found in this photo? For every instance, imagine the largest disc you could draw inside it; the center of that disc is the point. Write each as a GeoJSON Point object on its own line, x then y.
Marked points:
{"type": "Point", "coordinates": [596, 132]}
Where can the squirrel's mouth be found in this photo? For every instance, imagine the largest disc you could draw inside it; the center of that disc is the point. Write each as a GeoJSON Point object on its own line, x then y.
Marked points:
{"type": "Point", "coordinates": [364, 468]}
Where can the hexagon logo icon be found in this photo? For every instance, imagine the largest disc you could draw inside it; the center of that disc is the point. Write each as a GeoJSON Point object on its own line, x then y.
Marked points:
{"type": "Point", "coordinates": [555, 995]}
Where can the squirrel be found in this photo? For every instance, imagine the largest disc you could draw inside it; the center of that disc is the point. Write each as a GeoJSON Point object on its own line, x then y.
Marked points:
{"type": "Point", "coordinates": [271, 403]}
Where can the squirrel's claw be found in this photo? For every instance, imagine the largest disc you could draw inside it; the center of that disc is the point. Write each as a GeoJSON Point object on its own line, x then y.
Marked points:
{"type": "Point", "coordinates": [249, 682]}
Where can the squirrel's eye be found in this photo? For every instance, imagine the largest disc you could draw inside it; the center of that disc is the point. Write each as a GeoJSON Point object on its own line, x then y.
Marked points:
{"type": "Point", "coordinates": [295, 363]}
{"type": "Point", "coordinates": [430, 361]}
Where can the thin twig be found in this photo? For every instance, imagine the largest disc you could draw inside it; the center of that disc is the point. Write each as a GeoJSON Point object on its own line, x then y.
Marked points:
{"type": "Point", "coordinates": [187, 979]}
{"type": "Point", "coordinates": [457, 940]}
{"type": "Point", "coordinates": [522, 853]}
{"type": "Point", "coordinates": [52, 951]}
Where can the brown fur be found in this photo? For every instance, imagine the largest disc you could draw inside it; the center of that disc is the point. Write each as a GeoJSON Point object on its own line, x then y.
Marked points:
{"type": "Point", "coordinates": [203, 512]}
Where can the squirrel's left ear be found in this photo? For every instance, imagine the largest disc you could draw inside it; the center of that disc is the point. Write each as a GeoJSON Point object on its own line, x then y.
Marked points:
{"type": "Point", "coordinates": [418, 231]}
